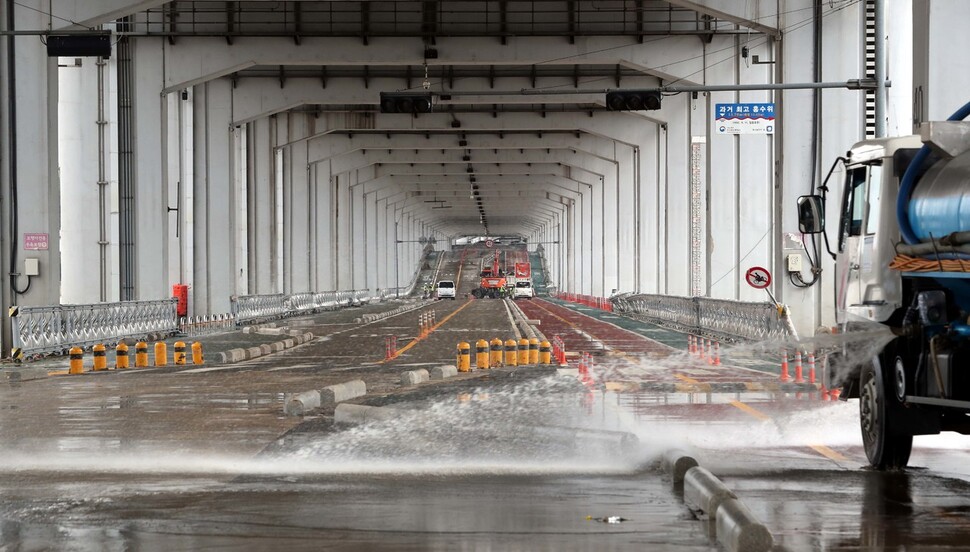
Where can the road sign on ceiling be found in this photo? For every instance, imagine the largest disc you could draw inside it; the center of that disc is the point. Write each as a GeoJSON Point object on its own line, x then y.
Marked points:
{"type": "Point", "coordinates": [489, 243]}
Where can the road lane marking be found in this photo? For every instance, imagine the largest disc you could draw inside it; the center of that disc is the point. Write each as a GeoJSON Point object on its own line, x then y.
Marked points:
{"type": "Point", "coordinates": [750, 410]}
{"type": "Point", "coordinates": [418, 339]}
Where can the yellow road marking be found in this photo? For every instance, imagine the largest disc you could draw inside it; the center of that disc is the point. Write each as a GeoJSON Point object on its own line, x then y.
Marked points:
{"type": "Point", "coordinates": [827, 452]}
{"type": "Point", "coordinates": [748, 409]}
{"type": "Point", "coordinates": [421, 338]}
{"type": "Point", "coordinates": [684, 378]}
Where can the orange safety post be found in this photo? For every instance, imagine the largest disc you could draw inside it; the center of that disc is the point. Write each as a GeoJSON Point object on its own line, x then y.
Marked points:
{"type": "Point", "coordinates": [100, 357]}
{"type": "Point", "coordinates": [141, 354]}
{"type": "Point", "coordinates": [481, 354]}
{"type": "Point", "coordinates": [533, 350]}
{"type": "Point", "coordinates": [121, 356]}
{"type": "Point", "coordinates": [811, 367]}
{"type": "Point", "coordinates": [464, 361]}
{"type": "Point", "coordinates": [545, 352]}
{"type": "Point", "coordinates": [798, 367]}
{"type": "Point", "coordinates": [716, 356]}
{"type": "Point", "coordinates": [511, 358]}
{"type": "Point", "coordinates": [784, 365]}
{"type": "Point", "coordinates": [582, 364]}
{"type": "Point", "coordinates": [495, 352]}
{"type": "Point", "coordinates": [197, 357]}
{"type": "Point", "coordinates": [523, 352]}
{"type": "Point", "coordinates": [690, 344]}
{"type": "Point", "coordinates": [179, 355]}
{"type": "Point", "coordinates": [77, 361]}
{"type": "Point", "coordinates": [161, 354]}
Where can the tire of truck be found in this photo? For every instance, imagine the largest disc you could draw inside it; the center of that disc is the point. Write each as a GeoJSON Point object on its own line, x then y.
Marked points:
{"type": "Point", "coordinates": [881, 413]}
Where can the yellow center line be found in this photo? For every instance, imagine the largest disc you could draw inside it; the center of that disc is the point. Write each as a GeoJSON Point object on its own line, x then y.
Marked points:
{"type": "Point", "coordinates": [421, 337]}
{"type": "Point", "coordinates": [684, 378]}
{"type": "Point", "coordinates": [821, 449]}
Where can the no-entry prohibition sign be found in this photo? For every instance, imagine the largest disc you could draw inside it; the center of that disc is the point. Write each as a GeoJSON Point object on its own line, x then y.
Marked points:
{"type": "Point", "coordinates": [757, 277]}
{"type": "Point", "coordinates": [489, 243]}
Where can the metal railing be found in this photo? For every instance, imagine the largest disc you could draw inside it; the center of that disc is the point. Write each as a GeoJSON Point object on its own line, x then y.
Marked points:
{"type": "Point", "coordinates": [56, 328]}
{"type": "Point", "coordinates": [717, 318]}
{"type": "Point", "coordinates": [254, 308]}
{"type": "Point", "coordinates": [207, 324]}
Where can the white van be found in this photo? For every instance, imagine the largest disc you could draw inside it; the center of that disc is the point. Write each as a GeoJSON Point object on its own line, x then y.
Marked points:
{"type": "Point", "coordinates": [522, 290]}
{"type": "Point", "coordinates": [446, 290]}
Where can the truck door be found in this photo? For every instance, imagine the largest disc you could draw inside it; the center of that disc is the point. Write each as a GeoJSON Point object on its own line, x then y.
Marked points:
{"type": "Point", "coordinates": [856, 238]}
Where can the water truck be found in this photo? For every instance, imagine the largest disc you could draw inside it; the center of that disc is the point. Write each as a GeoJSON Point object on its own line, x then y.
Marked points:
{"type": "Point", "coordinates": [903, 261]}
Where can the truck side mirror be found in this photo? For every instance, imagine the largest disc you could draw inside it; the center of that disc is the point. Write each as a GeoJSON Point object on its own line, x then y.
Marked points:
{"type": "Point", "coordinates": [811, 214]}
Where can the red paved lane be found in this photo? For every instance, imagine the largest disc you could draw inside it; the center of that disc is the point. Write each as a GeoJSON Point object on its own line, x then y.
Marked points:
{"type": "Point", "coordinates": [628, 358]}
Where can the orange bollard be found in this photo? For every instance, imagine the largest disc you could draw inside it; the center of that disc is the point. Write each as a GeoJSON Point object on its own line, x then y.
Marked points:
{"type": "Point", "coordinates": [77, 361]}
{"type": "Point", "coordinates": [690, 344]}
{"type": "Point", "coordinates": [197, 357]}
{"type": "Point", "coordinates": [141, 354]}
{"type": "Point", "coordinates": [583, 369]}
{"type": "Point", "coordinates": [495, 352]}
{"type": "Point", "coordinates": [161, 354]}
{"type": "Point", "coordinates": [511, 358]}
{"type": "Point", "coordinates": [545, 352]}
{"type": "Point", "coordinates": [533, 350]}
{"type": "Point", "coordinates": [481, 354]}
{"type": "Point", "coordinates": [100, 358]}
{"type": "Point", "coordinates": [179, 355]}
{"type": "Point", "coordinates": [464, 361]}
{"type": "Point", "coordinates": [811, 367]}
{"type": "Point", "coordinates": [834, 394]}
{"type": "Point", "coordinates": [784, 366]}
{"type": "Point", "coordinates": [798, 367]}
{"type": "Point", "coordinates": [121, 357]}
{"type": "Point", "coordinates": [523, 358]}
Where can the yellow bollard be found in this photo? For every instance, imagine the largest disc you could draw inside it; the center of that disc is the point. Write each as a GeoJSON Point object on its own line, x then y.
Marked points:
{"type": "Point", "coordinates": [161, 354]}
{"type": "Point", "coordinates": [481, 354]}
{"type": "Point", "coordinates": [77, 361]}
{"type": "Point", "coordinates": [464, 361]}
{"type": "Point", "coordinates": [511, 359]}
{"type": "Point", "coordinates": [197, 353]}
{"type": "Point", "coordinates": [121, 356]}
{"type": "Point", "coordinates": [179, 355]}
{"type": "Point", "coordinates": [495, 353]}
{"type": "Point", "coordinates": [523, 351]}
{"type": "Point", "coordinates": [533, 350]}
{"type": "Point", "coordinates": [545, 352]}
{"type": "Point", "coordinates": [100, 360]}
{"type": "Point", "coordinates": [141, 354]}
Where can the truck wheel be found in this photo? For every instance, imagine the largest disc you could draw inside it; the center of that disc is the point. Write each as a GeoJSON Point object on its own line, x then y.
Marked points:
{"type": "Point", "coordinates": [880, 412]}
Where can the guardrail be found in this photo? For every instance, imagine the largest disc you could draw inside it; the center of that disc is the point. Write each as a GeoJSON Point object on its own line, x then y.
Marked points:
{"type": "Point", "coordinates": [717, 318]}
{"type": "Point", "coordinates": [253, 308]}
{"type": "Point", "coordinates": [54, 329]}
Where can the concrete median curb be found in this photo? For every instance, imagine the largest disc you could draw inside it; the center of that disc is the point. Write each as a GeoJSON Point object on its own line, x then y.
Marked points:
{"type": "Point", "coordinates": [739, 531]}
{"type": "Point", "coordinates": [333, 394]}
{"type": "Point", "coordinates": [443, 372]}
{"type": "Point", "coordinates": [301, 403]}
{"type": "Point", "coordinates": [704, 491]}
{"type": "Point", "coordinates": [676, 462]}
{"type": "Point", "coordinates": [238, 355]}
{"type": "Point", "coordinates": [415, 377]}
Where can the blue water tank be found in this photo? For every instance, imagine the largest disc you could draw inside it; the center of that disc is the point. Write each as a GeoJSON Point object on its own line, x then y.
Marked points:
{"type": "Point", "coordinates": [940, 203]}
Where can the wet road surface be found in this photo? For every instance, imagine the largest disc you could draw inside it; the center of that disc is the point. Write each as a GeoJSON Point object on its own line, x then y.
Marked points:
{"type": "Point", "coordinates": [183, 458]}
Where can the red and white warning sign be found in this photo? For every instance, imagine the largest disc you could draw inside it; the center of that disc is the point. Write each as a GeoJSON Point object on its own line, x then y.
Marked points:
{"type": "Point", "coordinates": [757, 277]}
{"type": "Point", "coordinates": [489, 243]}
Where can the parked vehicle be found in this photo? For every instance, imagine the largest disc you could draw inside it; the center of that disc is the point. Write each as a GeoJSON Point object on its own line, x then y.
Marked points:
{"type": "Point", "coordinates": [446, 289]}
{"type": "Point", "coordinates": [522, 290]}
{"type": "Point", "coordinates": [903, 260]}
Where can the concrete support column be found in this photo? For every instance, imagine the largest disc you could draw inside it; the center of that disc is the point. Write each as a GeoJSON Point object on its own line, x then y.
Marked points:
{"type": "Point", "coordinates": [213, 264]}
{"type": "Point", "coordinates": [29, 158]}
{"type": "Point", "coordinates": [262, 208]}
{"type": "Point", "coordinates": [85, 204]}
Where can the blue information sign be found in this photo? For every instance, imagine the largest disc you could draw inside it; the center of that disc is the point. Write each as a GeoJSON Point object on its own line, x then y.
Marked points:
{"type": "Point", "coordinates": [744, 118]}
